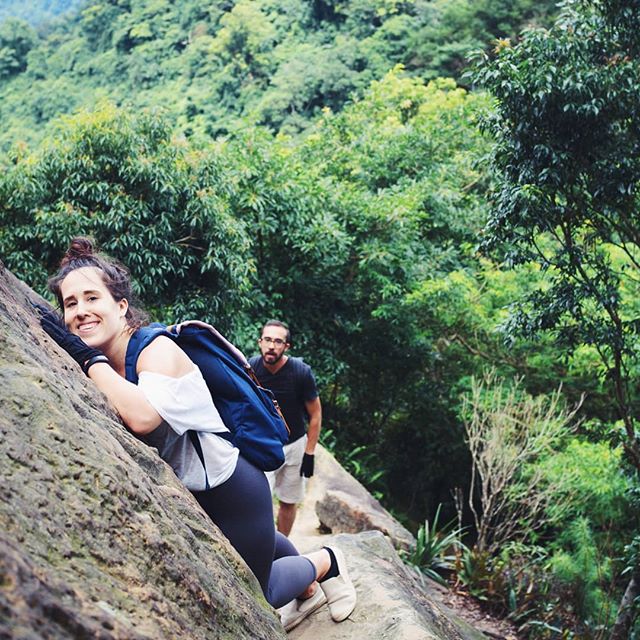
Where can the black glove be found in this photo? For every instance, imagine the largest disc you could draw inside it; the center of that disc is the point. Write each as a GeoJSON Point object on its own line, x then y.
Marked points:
{"type": "Point", "coordinates": [306, 468]}
{"type": "Point", "coordinates": [82, 353]}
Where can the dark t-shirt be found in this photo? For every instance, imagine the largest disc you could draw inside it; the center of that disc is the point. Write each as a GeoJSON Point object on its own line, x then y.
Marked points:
{"type": "Point", "coordinates": [292, 385]}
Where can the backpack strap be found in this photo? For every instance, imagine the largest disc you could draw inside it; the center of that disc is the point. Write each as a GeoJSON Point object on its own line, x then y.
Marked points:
{"type": "Point", "coordinates": [239, 357]}
{"type": "Point", "coordinates": [195, 441]}
{"type": "Point", "coordinates": [138, 341]}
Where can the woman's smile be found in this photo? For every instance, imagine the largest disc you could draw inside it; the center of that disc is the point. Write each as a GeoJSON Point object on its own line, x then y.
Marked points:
{"type": "Point", "coordinates": [87, 327]}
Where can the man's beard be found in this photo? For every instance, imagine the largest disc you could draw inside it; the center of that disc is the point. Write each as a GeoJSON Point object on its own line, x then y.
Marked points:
{"type": "Point", "coordinates": [272, 357]}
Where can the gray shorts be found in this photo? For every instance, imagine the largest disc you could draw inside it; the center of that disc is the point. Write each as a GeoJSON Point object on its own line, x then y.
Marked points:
{"type": "Point", "coordinates": [286, 482]}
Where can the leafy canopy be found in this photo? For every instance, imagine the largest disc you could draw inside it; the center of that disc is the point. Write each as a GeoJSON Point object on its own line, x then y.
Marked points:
{"type": "Point", "coordinates": [221, 66]}
{"type": "Point", "coordinates": [568, 168]}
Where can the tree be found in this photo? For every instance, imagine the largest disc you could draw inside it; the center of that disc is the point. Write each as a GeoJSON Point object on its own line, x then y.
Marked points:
{"type": "Point", "coordinates": [218, 67]}
{"type": "Point", "coordinates": [567, 161]}
{"type": "Point", "coordinates": [145, 200]}
{"type": "Point", "coordinates": [448, 31]}
{"type": "Point", "coordinates": [507, 430]}
{"type": "Point", "coordinates": [17, 38]}
{"type": "Point", "coordinates": [405, 186]}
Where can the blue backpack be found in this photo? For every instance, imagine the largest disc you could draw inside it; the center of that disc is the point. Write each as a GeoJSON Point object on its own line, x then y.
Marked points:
{"type": "Point", "coordinates": [249, 411]}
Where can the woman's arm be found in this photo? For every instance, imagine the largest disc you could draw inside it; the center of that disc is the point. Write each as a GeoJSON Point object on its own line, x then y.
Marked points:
{"type": "Point", "coordinates": [127, 399]}
{"type": "Point", "coordinates": [160, 356]}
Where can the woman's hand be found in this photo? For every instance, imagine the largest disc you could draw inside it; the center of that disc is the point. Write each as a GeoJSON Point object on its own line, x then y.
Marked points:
{"type": "Point", "coordinates": [127, 399]}
{"type": "Point", "coordinates": [81, 352]}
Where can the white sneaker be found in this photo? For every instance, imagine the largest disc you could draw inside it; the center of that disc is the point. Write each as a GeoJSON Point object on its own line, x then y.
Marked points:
{"type": "Point", "coordinates": [294, 612]}
{"type": "Point", "coordinates": [340, 592]}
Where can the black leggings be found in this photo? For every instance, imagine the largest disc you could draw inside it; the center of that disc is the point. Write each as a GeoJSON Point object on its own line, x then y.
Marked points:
{"type": "Point", "coordinates": [243, 510]}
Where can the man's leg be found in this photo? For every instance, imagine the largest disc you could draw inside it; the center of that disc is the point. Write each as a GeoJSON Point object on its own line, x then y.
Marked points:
{"type": "Point", "coordinates": [290, 485]}
{"type": "Point", "coordinates": [286, 517]}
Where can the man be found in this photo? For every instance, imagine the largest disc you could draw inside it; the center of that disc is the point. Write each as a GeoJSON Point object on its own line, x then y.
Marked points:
{"type": "Point", "coordinates": [294, 387]}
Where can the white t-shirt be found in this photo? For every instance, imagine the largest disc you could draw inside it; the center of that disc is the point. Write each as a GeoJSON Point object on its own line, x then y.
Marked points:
{"type": "Point", "coordinates": [185, 404]}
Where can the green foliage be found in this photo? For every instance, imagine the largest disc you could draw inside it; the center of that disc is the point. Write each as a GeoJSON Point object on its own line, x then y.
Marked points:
{"type": "Point", "coordinates": [432, 553]}
{"type": "Point", "coordinates": [588, 481]}
{"type": "Point", "coordinates": [582, 575]}
{"type": "Point", "coordinates": [566, 583]}
{"type": "Point", "coordinates": [593, 513]}
{"type": "Point", "coordinates": [547, 595]}
{"type": "Point", "coordinates": [469, 308]}
{"type": "Point", "coordinates": [220, 66]}
{"type": "Point", "coordinates": [568, 170]}
{"type": "Point", "coordinates": [566, 198]}
{"type": "Point", "coordinates": [556, 488]}
{"type": "Point", "coordinates": [397, 163]}
{"type": "Point", "coordinates": [450, 31]}
{"type": "Point", "coordinates": [17, 38]}
{"type": "Point", "coordinates": [508, 431]}
{"type": "Point", "coordinates": [508, 584]}
{"type": "Point", "coordinates": [532, 482]}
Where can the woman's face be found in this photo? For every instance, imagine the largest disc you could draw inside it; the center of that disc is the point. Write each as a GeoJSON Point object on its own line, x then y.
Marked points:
{"type": "Point", "coordinates": [89, 308]}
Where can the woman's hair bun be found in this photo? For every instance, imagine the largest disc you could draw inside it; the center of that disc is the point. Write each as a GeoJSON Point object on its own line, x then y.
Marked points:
{"type": "Point", "coordinates": [79, 248]}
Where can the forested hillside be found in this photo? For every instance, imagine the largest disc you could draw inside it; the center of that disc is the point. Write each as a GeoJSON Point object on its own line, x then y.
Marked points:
{"type": "Point", "coordinates": [38, 13]}
{"type": "Point", "coordinates": [457, 255]}
{"type": "Point", "coordinates": [220, 67]}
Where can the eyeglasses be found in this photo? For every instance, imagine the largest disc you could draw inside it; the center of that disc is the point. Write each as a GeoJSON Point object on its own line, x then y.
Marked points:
{"type": "Point", "coordinates": [278, 342]}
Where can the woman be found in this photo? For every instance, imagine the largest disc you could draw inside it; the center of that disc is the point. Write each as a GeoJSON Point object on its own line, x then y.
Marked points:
{"type": "Point", "coordinates": [171, 398]}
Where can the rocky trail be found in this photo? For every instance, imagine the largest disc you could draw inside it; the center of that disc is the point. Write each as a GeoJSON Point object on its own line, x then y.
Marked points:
{"type": "Point", "coordinates": [309, 534]}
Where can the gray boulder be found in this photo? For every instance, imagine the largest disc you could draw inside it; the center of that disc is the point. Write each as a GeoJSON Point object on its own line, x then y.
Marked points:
{"type": "Point", "coordinates": [392, 603]}
{"type": "Point", "coordinates": [343, 505]}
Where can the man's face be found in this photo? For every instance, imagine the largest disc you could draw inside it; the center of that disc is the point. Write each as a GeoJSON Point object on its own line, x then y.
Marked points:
{"type": "Point", "coordinates": [273, 343]}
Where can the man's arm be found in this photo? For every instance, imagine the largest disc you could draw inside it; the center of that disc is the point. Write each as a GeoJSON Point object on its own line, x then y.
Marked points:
{"type": "Point", "coordinates": [314, 409]}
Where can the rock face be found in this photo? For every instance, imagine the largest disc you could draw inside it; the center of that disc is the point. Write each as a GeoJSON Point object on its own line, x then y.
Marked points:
{"type": "Point", "coordinates": [392, 604]}
{"type": "Point", "coordinates": [98, 539]}
{"type": "Point", "coordinates": [345, 506]}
